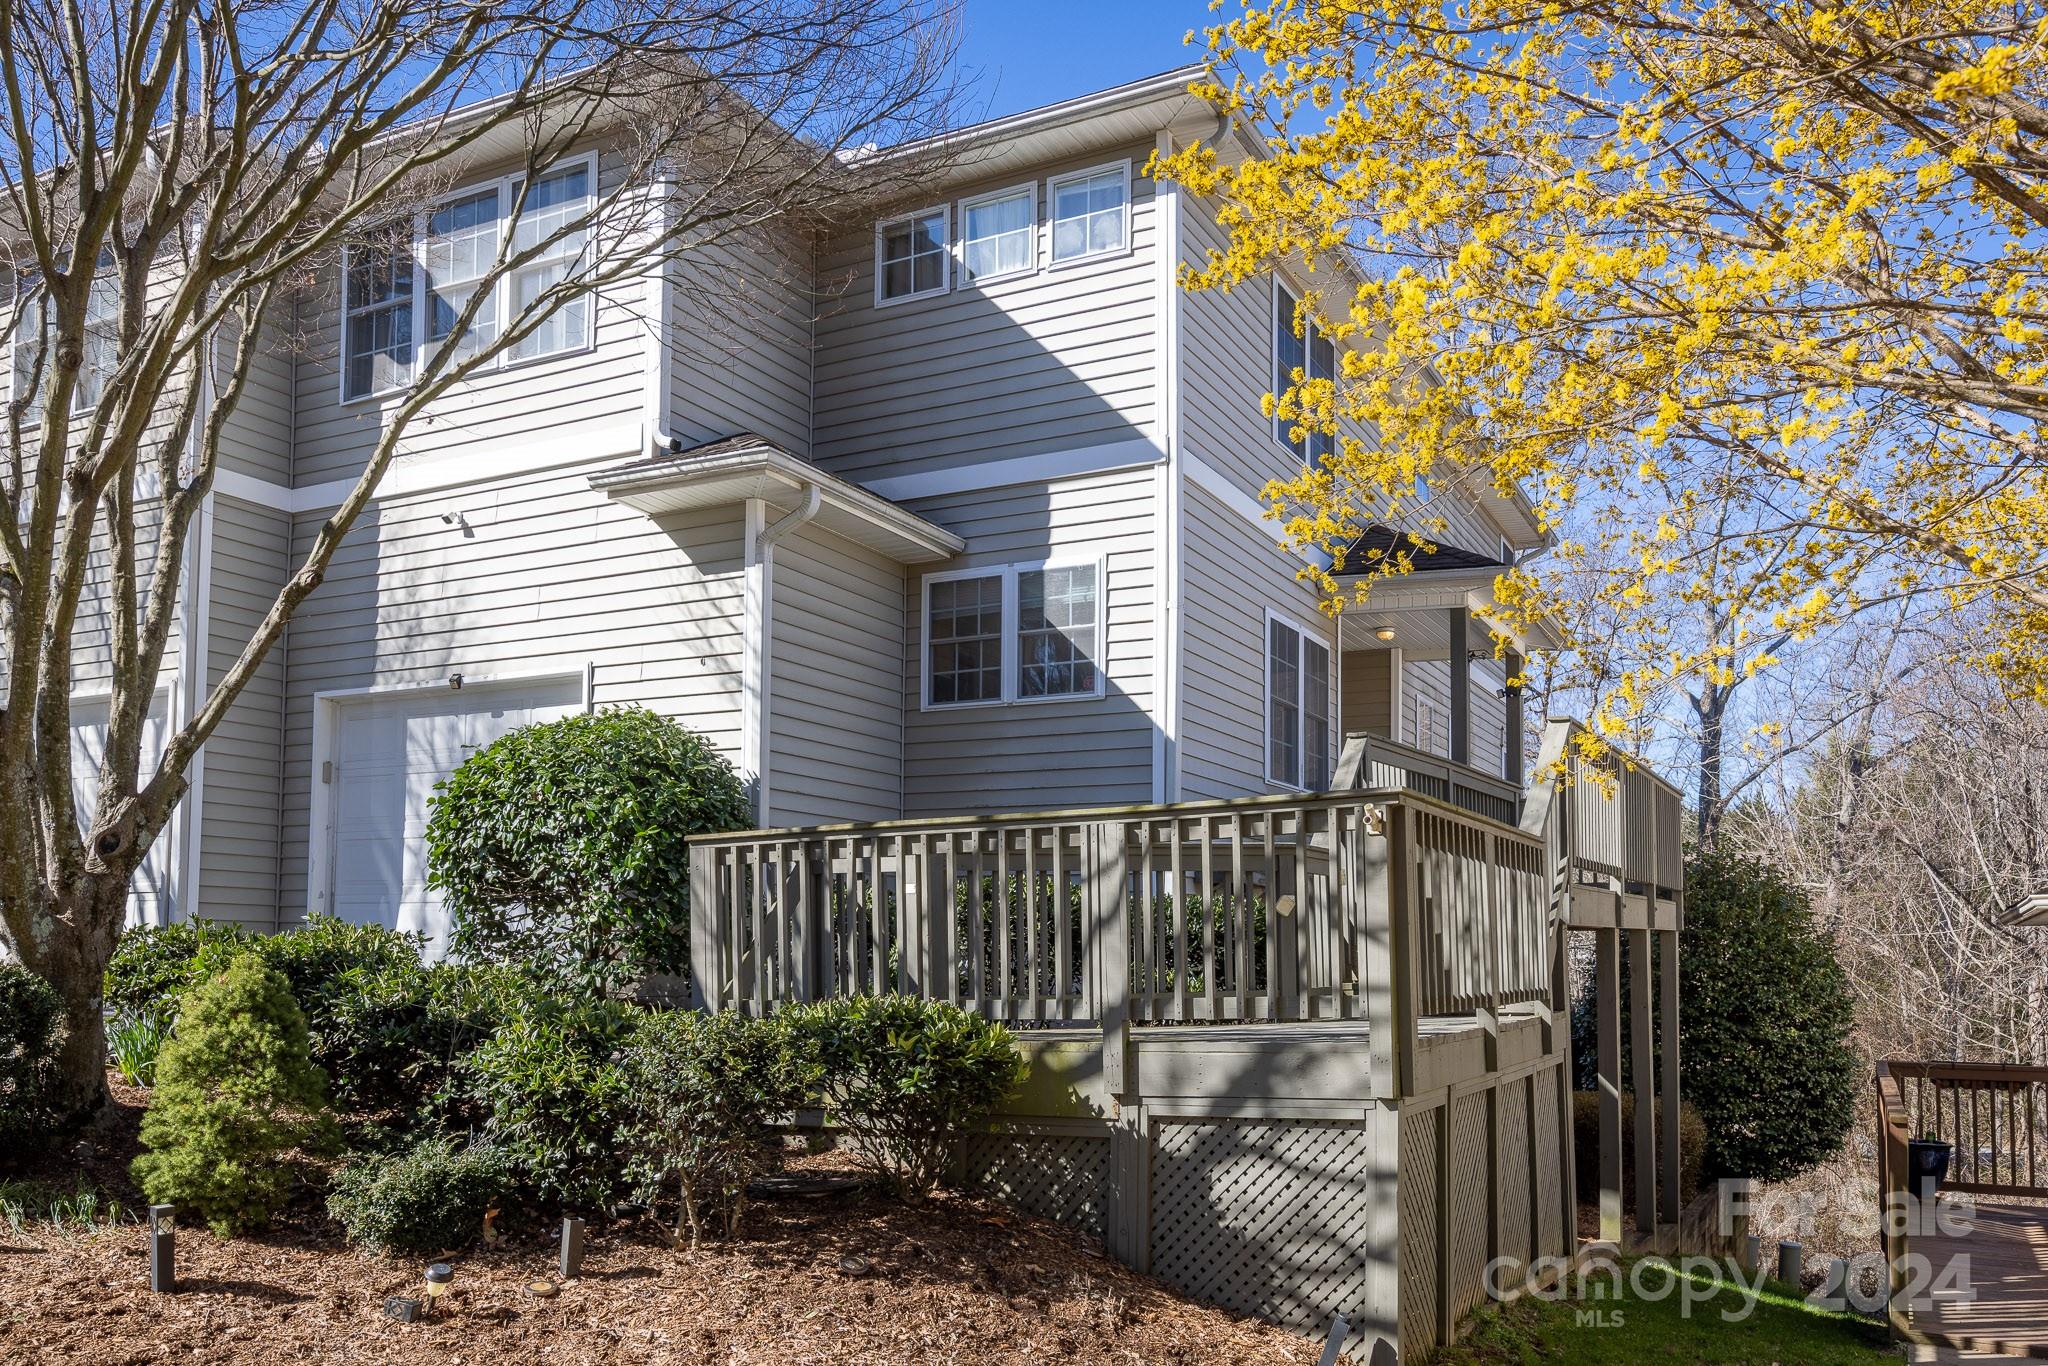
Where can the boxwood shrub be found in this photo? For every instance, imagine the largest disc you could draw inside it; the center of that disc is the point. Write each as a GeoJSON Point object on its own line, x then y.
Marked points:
{"type": "Point", "coordinates": [906, 1078]}
{"type": "Point", "coordinates": [550, 1089]}
{"type": "Point", "coordinates": [430, 1197]}
{"type": "Point", "coordinates": [31, 1033]}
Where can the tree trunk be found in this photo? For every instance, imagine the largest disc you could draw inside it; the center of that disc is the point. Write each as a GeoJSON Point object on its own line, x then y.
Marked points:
{"type": "Point", "coordinates": [73, 959]}
{"type": "Point", "coordinates": [1711, 709]}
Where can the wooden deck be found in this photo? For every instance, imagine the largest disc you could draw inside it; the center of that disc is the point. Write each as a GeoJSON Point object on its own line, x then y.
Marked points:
{"type": "Point", "coordinates": [2006, 1309]}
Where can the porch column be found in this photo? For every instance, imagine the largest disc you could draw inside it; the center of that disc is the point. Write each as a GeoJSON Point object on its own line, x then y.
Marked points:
{"type": "Point", "coordinates": [1461, 686]}
{"type": "Point", "coordinates": [1513, 771]}
{"type": "Point", "coordinates": [1607, 1002]}
{"type": "Point", "coordinates": [1667, 967]}
{"type": "Point", "coordinates": [1642, 1078]}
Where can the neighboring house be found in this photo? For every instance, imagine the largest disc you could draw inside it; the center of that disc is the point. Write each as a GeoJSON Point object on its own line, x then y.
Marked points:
{"type": "Point", "coordinates": [966, 517]}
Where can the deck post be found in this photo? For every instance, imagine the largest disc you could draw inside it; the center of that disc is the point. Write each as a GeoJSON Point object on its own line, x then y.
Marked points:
{"type": "Point", "coordinates": [1461, 685]}
{"type": "Point", "coordinates": [1673, 1197]}
{"type": "Point", "coordinates": [1607, 979]}
{"type": "Point", "coordinates": [1109, 949]}
{"type": "Point", "coordinates": [1514, 769]}
{"type": "Point", "coordinates": [1380, 952]}
{"type": "Point", "coordinates": [1642, 1079]}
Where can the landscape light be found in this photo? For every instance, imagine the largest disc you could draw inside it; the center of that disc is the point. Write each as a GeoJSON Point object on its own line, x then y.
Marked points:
{"type": "Point", "coordinates": [572, 1247]}
{"type": "Point", "coordinates": [163, 1250]}
{"type": "Point", "coordinates": [438, 1276]}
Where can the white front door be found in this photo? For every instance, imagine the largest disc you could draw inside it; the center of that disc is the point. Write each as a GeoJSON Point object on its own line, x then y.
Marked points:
{"type": "Point", "coordinates": [389, 752]}
{"type": "Point", "coordinates": [149, 888]}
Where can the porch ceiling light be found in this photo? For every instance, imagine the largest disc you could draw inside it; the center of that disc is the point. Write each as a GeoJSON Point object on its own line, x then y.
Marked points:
{"type": "Point", "coordinates": [1385, 633]}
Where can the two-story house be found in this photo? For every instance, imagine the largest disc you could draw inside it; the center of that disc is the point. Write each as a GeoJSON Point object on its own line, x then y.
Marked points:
{"type": "Point", "coordinates": [965, 518]}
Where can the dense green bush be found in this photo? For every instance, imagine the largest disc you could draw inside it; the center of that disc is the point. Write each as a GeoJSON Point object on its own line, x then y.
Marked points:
{"type": "Point", "coordinates": [155, 965]}
{"type": "Point", "coordinates": [907, 1079]}
{"type": "Point", "coordinates": [31, 1033]}
{"type": "Point", "coordinates": [551, 1091]}
{"type": "Point", "coordinates": [237, 1094]}
{"type": "Point", "coordinates": [1764, 1015]}
{"type": "Point", "coordinates": [562, 845]}
{"type": "Point", "coordinates": [1692, 1145]}
{"type": "Point", "coordinates": [431, 1197]}
{"type": "Point", "coordinates": [704, 1088]}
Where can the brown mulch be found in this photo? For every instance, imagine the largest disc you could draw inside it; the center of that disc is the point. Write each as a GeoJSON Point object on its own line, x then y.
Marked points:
{"type": "Point", "coordinates": [836, 1278]}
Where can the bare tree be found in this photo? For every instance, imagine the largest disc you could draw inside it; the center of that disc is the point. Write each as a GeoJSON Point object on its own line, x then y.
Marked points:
{"type": "Point", "coordinates": [179, 172]}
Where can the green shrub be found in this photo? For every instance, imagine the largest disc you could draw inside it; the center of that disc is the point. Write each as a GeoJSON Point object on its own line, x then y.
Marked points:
{"type": "Point", "coordinates": [562, 845]}
{"type": "Point", "coordinates": [908, 1079]}
{"type": "Point", "coordinates": [31, 1034]}
{"type": "Point", "coordinates": [237, 1094]}
{"type": "Point", "coordinates": [703, 1090]}
{"type": "Point", "coordinates": [1764, 1014]}
{"type": "Point", "coordinates": [431, 1197]}
{"type": "Point", "coordinates": [1692, 1143]}
{"type": "Point", "coordinates": [136, 1040]}
{"type": "Point", "coordinates": [155, 965]}
{"type": "Point", "coordinates": [550, 1088]}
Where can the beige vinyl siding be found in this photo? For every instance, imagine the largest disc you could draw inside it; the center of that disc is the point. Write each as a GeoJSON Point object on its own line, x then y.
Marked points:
{"type": "Point", "coordinates": [835, 683]}
{"type": "Point", "coordinates": [1234, 573]}
{"type": "Point", "coordinates": [1037, 755]}
{"type": "Point", "coordinates": [1227, 371]}
{"type": "Point", "coordinates": [1055, 359]}
{"type": "Point", "coordinates": [1428, 681]}
{"type": "Point", "coordinates": [739, 343]}
{"type": "Point", "coordinates": [551, 577]}
{"type": "Point", "coordinates": [238, 865]}
{"type": "Point", "coordinates": [557, 397]}
{"type": "Point", "coordinates": [1367, 703]}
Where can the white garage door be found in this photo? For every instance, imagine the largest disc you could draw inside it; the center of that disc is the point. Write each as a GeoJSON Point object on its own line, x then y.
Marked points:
{"type": "Point", "coordinates": [388, 754]}
{"type": "Point", "coordinates": [149, 888]}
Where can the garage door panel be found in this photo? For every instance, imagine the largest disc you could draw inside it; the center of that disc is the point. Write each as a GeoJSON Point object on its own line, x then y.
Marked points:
{"type": "Point", "coordinates": [390, 754]}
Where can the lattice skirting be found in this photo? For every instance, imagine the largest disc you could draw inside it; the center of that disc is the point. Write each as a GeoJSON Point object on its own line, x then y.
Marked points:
{"type": "Point", "coordinates": [1055, 1176]}
{"type": "Point", "coordinates": [1419, 1177]}
{"type": "Point", "coordinates": [1267, 1217]}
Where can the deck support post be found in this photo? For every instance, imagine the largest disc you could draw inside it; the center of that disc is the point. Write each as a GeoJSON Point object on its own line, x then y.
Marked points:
{"type": "Point", "coordinates": [1461, 685]}
{"type": "Point", "coordinates": [1607, 986]}
{"type": "Point", "coordinates": [1642, 1079]}
{"type": "Point", "coordinates": [1672, 1196]}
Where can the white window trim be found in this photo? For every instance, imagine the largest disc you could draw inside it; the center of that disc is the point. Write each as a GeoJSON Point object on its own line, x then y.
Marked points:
{"type": "Point", "coordinates": [501, 288]}
{"type": "Point", "coordinates": [1012, 632]}
{"type": "Point", "coordinates": [1305, 637]}
{"type": "Point", "coordinates": [945, 285]}
{"type": "Point", "coordinates": [1030, 187]}
{"type": "Point", "coordinates": [1281, 286]}
{"type": "Point", "coordinates": [1052, 184]}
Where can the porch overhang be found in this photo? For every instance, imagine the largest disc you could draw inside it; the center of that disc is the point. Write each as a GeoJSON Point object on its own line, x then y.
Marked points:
{"type": "Point", "coordinates": [1413, 607]}
{"type": "Point", "coordinates": [747, 467]}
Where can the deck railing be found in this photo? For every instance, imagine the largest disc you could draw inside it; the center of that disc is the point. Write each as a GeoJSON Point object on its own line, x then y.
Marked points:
{"type": "Point", "coordinates": [1380, 905]}
{"type": "Point", "coordinates": [1375, 762]}
{"type": "Point", "coordinates": [1623, 823]}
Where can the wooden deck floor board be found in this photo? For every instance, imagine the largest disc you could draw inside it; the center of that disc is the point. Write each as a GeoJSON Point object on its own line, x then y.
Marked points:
{"type": "Point", "coordinates": [2005, 1308]}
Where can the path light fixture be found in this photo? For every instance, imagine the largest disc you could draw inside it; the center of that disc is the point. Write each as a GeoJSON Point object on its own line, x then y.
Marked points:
{"type": "Point", "coordinates": [163, 1250]}
{"type": "Point", "coordinates": [438, 1277]}
{"type": "Point", "coordinates": [572, 1247]}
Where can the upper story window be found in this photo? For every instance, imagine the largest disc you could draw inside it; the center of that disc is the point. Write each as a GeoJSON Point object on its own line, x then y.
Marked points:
{"type": "Point", "coordinates": [912, 256]}
{"type": "Point", "coordinates": [999, 234]}
{"type": "Point", "coordinates": [1308, 352]}
{"type": "Point", "coordinates": [1298, 708]}
{"type": "Point", "coordinates": [394, 298]}
{"type": "Point", "coordinates": [32, 355]}
{"type": "Point", "coordinates": [1013, 633]}
{"type": "Point", "coordinates": [1090, 212]}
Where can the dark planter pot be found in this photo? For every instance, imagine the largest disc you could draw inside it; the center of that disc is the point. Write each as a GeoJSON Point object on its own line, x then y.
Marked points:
{"type": "Point", "coordinates": [1927, 1165]}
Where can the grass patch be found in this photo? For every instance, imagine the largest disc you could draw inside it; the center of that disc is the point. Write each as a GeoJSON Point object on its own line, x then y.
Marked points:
{"type": "Point", "coordinates": [1687, 1314]}
{"type": "Point", "coordinates": [47, 1206]}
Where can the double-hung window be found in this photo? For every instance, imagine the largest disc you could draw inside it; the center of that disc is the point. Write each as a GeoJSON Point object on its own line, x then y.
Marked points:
{"type": "Point", "coordinates": [913, 256]}
{"type": "Point", "coordinates": [402, 300]}
{"type": "Point", "coordinates": [102, 340]}
{"type": "Point", "coordinates": [1013, 633]}
{"type": "Point", "coordinates": [1090, 212]}
{"type": "Point", "coordinates": [999, 234]}
{"type": "Point", "coordinates": [1298, 708]}
{"type": "Point", "coordinates": [1308, 353]}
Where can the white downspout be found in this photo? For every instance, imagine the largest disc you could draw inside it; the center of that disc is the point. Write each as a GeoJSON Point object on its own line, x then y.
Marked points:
{"type": "Point", "coordinates": [761, 542]}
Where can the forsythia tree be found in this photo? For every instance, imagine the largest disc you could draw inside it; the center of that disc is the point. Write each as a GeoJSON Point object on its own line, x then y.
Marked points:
{"type": "Point", "coordinates": [1654, 260]}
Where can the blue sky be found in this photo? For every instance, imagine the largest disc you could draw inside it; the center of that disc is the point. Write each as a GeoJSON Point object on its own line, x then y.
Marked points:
{"type": "Point", "coordinates": [1033, 52]}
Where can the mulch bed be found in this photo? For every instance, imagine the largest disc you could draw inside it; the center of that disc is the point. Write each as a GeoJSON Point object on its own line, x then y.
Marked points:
{"type": "Point", "coordinates": [842, 1277]}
